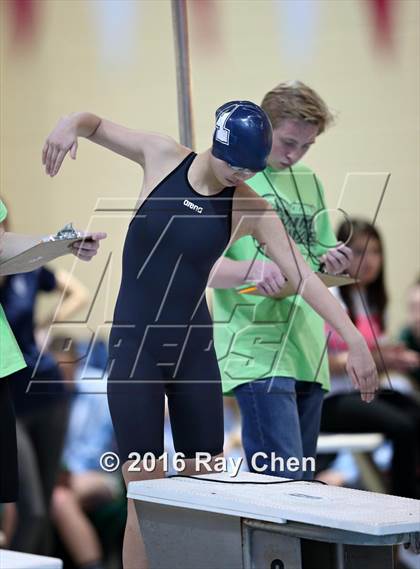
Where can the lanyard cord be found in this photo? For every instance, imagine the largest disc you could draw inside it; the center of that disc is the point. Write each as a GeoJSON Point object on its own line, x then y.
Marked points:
{"type": "Point", "coordinates": [245, 482]}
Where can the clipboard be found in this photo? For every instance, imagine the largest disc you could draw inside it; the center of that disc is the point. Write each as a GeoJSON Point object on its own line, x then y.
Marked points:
{"type": "Point", "coordinates": [25, 253]}
{"type": "Point", "coordinates": [288, 290]}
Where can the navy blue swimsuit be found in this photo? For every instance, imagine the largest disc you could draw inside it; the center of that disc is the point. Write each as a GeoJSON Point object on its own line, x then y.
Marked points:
{"type": "Point", "coordinates": [161, 340]}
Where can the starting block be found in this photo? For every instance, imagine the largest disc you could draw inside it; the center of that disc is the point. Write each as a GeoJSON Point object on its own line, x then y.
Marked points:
{"type": "Point", "coordinates": [16, 560]}
{"type": "Point", "coordinates": [233, 523]}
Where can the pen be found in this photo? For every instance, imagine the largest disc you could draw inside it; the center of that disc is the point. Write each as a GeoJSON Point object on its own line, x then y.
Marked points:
{"type": "Point", "coordinates": [249, 289]}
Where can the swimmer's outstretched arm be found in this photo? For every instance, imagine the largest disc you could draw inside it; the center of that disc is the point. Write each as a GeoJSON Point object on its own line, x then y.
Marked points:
{"type": "Point", "coordinates": [137, 145]}
{"type": "Point", "coordinates": [252, 215]}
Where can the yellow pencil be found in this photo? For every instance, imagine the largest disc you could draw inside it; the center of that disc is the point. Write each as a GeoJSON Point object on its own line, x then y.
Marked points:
{"type": "Point", "coordinates": [249, 289]}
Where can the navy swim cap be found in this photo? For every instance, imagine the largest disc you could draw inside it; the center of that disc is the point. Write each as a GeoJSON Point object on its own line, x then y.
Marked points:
{"type": "Point", "coordinates": [243, 135]}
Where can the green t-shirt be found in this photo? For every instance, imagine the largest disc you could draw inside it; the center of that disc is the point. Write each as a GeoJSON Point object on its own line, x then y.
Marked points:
{"type": "Point", "coordinates": [257, 337]}
{"type": "Point", "coordinates": [11, 359]}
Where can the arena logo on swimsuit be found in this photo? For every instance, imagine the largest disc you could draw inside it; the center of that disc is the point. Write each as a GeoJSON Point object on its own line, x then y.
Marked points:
{"type": "Point", "coordinates": [193, 206]}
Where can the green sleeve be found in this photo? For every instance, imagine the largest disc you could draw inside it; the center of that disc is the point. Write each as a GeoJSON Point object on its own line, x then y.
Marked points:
{"type": "Point", "coordinates": [3, 211]}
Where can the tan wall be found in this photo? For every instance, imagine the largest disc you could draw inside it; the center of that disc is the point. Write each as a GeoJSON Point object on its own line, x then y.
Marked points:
{"type": "Point", "coordinates": [377, 96]}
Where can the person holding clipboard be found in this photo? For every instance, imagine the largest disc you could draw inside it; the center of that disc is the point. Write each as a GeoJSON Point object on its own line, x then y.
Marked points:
{"type": "Point", "coordinates": [11, 359]}
{"type": "Point", "coordinates": [272, 352]}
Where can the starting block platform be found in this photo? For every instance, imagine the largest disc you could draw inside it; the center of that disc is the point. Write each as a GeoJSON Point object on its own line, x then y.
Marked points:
{"type": "Point", "coordinates": [16, 560]}
{"type": "Point", "coordinates": [246, 523]}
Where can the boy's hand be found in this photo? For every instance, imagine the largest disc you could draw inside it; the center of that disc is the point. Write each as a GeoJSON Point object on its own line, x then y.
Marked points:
{"type": "Point", "coordinates": [337, 260]}
{"type": "Point", "coordinates": [267, 277]}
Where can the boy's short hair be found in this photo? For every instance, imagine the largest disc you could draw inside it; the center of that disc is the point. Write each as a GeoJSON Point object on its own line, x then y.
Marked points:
{"type": "Point", "coordinates": [295, 100]}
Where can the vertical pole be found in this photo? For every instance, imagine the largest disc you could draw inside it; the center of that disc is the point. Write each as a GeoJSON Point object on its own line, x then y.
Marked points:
{"type": "Point", "coordinates": [183, 74]}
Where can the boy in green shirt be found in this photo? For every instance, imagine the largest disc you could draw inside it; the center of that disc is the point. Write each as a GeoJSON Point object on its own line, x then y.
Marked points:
{"type": "Point", "coordinates": [272, 352]}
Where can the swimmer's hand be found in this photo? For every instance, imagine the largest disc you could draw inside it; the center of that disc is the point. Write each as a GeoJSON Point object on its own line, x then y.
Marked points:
{"type": "Point", "coordinates": [88, 246]}
{"type": "Point", "coordinates": [362, 370]}
{"type": "Point", "coordinates": [62, 139]}
{"type": "Point", "coordinates": [267, 277]}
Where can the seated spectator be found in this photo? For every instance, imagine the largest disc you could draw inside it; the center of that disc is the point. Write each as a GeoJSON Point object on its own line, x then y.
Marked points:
{"type": "Point", "coordinates": [396, 415]}
{"type": "Point", "coordinates": [83, 485]}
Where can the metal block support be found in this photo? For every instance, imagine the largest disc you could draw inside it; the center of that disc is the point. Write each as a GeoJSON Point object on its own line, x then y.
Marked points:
{"type": "Point", "coordinates": [176, 538]}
